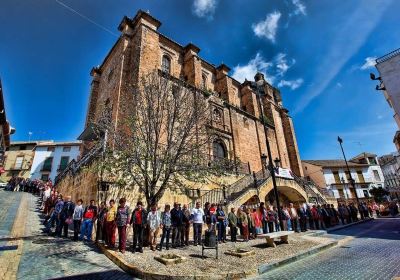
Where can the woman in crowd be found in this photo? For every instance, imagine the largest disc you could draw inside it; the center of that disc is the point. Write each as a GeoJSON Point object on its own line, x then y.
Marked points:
{"type": "Point", "coordinates": [166, 227]}
{"type": "Point", "coordinates": [221, 223]}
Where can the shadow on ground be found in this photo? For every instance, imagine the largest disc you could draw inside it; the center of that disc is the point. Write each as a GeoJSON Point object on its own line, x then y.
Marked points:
{"type": "Point", "coordinates": [382, 229]}
{"type": "Point", "coordinates": [103, 275]}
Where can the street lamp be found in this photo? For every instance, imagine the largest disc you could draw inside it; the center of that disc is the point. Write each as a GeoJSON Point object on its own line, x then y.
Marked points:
{"type": "Point", "coordinates": [277, 162]}
{"type": "Point", "coordinates": [258, 86]}
{"type": "Point", "coordinates": [352, 182]}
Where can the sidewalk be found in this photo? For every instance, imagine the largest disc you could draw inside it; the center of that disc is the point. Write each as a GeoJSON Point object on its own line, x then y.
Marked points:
{"type": "Point", "coordinates": [265, 258]}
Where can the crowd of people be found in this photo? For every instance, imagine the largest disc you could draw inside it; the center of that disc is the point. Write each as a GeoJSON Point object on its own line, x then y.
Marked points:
{"type": "Point", "coordinates": [171, 226]}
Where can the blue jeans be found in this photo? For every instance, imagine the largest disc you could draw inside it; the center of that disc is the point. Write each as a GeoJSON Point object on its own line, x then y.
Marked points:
{"type": "Point", "coordinates": [86, 229]}
{"type": "Point", "coordinates": [289, 224]}
{"type": "Point", "coordinates": [53, 218]}
{"type": "Point", "coordinates": [221, 231]}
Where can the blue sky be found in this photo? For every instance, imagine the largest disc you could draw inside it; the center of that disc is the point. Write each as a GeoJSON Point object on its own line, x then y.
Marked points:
{"type": "Point", "coordinates": [317, 52]}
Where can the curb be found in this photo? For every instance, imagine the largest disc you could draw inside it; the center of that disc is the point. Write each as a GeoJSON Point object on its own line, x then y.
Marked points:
{"type": "Point", "coordinates": [349, 225]}
{"type": "Point", "coordinates": [267, 267]}
{"type": "Point", "coordinates": [139, 273]}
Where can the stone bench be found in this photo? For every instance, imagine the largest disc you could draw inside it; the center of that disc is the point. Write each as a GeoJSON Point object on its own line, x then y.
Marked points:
{"type": "Point", "coordinates": [283, 235]}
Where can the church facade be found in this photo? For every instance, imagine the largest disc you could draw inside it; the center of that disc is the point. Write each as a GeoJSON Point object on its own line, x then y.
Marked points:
{"type": "Point", "coordinates": [236, 124]}
{"type": "Point", "coordinates": [238, 132]}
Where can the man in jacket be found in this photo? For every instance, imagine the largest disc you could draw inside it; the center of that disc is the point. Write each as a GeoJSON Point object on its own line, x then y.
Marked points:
{"type": "Point", "coordinates": [138, 221]}
{"type": "Point", "coordinates": [177, 223]}
{"type": "Point", "coordinates": [66, 214]}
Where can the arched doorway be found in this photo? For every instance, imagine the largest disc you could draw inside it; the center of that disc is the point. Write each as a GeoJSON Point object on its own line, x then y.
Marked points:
{"type": "Point", "coordinates": [252, 202]}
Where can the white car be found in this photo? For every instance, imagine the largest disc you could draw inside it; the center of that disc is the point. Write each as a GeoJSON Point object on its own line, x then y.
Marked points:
{"type": "Point", "coordinates": [3, 185]}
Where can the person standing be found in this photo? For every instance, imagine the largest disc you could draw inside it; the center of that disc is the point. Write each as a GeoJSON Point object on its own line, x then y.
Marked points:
{"type": "Point", "coordinates": [66, 217]}
{"type": "Point", "coordinates": [303, 218]}
{"type": "Point", "coordinates": [221, 224]}
{"type": "Point", "coordinates": [139, 221]}
{"type": "Point", "coordinates": [166, 226]}
{"type": "Point", "coordinates": [315, 217]}
{"type": "Point", "coordinates": [177, 223]}
{"type": "Point", "coordinates": [55, 215]}
{"type": "Point", "coordinates": [271, 219]}
{"type": "Point", "coordinates": [263, 217]}
{"type": "Point", "coordinates": [89, 217]}
{"type": "Point", "coordinates": [245, 224]}
{"type": "Point", "coordinates": [122, 220]}
{"type": "Point", "coordinates": [77, 217]}
{"type": "Point", "coordinates": [294, 218]}
{"type": "Point", "coordinates": [197, 218]}
{"type": "Point", "coordinates": [154, 223]}
{"type": "Point", "coordinates": [110, 225]}
{"type": "Point", "coordinates": [101, 216]}
{"type": "Point", "coordinates": [186, 225]}
{"type": "Point", "coordinates": [233, 221]}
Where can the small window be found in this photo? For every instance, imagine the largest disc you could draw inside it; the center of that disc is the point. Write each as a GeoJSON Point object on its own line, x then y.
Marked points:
{"type": "Point", "coordinates": [18, 162]}
{"type": "Point", "coordinates": [50, 149]}
{"type": "Point", "coordinates": [47, 164]}
{"type": "Point", "coordinates": [66, 149]}
{"type": "Point", "coordinates": [63, 163]}
{"type": "Point", "coordinates": [44, 177]}
{"type": "Point", "coordinates": [336, 176]}
{"type": "Point", "coordinates": [204, 81]}
{"type": "Point", "coordinates": [376, 175]}
{"type": "Point", "coordinates": [166, 64]}
{"type": "Point", "coordinates": [22, 147]}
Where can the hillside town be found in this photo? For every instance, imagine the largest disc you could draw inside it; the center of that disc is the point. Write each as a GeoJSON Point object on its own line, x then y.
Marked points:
{"type": "Point", "coordinates": [181, 170]}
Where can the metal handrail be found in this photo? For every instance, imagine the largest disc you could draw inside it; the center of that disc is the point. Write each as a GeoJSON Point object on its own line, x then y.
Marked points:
{"type": "Point", "coordinates": [388, 56]}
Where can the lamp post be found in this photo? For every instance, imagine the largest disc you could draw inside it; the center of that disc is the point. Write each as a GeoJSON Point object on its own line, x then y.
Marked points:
{"type": "Point", "coordinates": [259, 89]}
{"type": "Point", "coordinates": [352, 182]}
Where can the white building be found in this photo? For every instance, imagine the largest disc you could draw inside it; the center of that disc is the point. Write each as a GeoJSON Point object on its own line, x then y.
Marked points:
{"type": "Point", "coordinates": [389, 70]}
{"type": "Point", "coordinates": [53, 157]}
{"type": "Point", "coordinates": [390, 165]}
{"type": "Point", "coordinates": [333, 175]}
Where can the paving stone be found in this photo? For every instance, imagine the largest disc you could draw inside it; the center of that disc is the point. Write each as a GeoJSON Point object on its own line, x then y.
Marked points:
{"type": "Point", "coordinates": [46, 257]}
{"type": "Point", "coordinates": [373, 254]}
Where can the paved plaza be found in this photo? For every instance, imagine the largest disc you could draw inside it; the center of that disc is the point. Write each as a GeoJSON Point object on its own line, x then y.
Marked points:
{"type": "Point", "coordinates": [374, 253]}
{"type": "Point", "coordinates": [46, 257]}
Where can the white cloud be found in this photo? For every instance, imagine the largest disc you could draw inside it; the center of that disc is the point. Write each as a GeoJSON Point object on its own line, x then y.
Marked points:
{"type": "Point", "coordinates": [267, 28]}
{"type": "Point", "coordinates": [282, 64]}
{"type": "Point", "coordinates": [292, 84]}
{"type": "Point", "coordinates": [204, 8]}
{"type": "Point", "coordinates": [340, 50]}
{"type": "Point", "coordinates": [369, 63]}
{"type": "Point", "coordinates": [339, 85]}
{"type": "Point", "coordinates": [248, 71]}
{"type": "Point", "coordinates": [300, 8]}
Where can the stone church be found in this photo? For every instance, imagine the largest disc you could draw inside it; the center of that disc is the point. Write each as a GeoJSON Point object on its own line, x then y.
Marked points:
{"type": "Point", "coordinates": [236, 124]}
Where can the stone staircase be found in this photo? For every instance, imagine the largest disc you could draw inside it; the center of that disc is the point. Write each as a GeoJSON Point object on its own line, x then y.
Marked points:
{"type": "Point", "coordinates": [313, 191]}
{"type": "Point", "coordinates": [252, 182]}
{"type": "Point", "coordinates": [229, 194]}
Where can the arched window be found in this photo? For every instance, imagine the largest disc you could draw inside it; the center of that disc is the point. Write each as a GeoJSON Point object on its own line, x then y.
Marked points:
{"type": "Point", "coordinates": [219, 150]}
{"type": "Point", "coordinates": [166, 64]}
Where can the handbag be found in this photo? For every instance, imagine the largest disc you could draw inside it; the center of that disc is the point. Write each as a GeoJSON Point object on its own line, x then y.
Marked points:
{"type": "Point", "coordinates": [68, 221]}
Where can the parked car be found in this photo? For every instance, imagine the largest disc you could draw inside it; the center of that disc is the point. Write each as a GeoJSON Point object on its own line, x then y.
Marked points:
{"type": "Point", "coordinates": [3, 185]}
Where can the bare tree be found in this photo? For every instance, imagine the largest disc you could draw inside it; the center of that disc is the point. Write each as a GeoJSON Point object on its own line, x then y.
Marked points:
{"type": "Point", "coordinates": [163, 138]}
